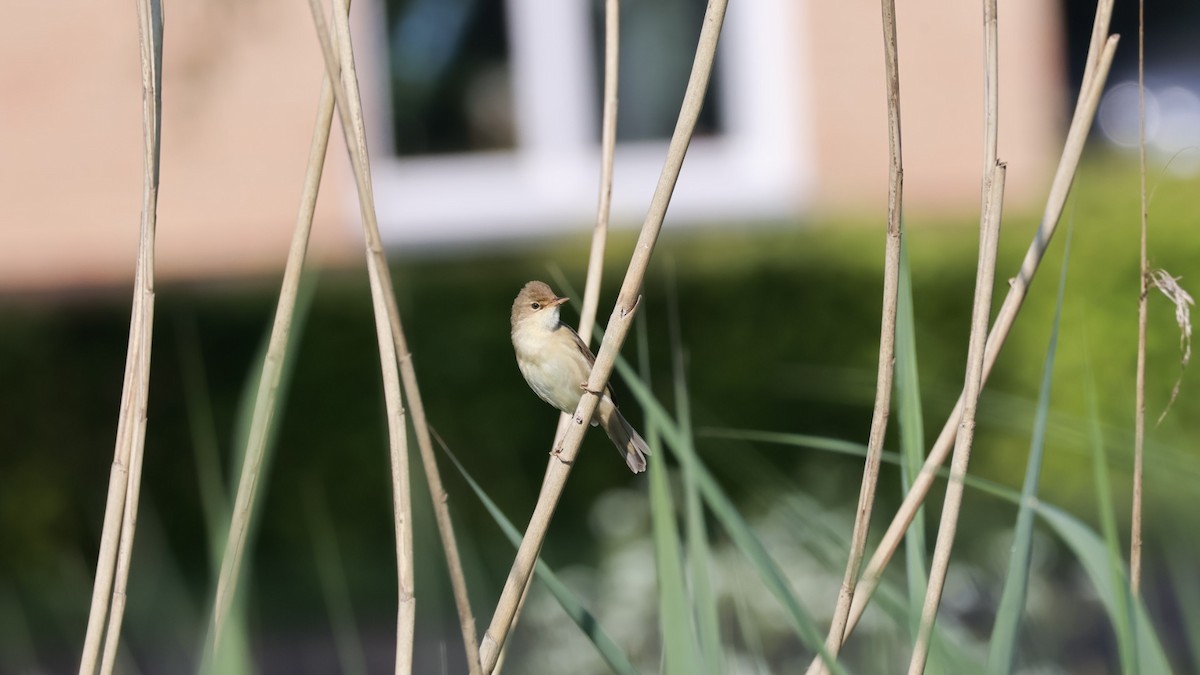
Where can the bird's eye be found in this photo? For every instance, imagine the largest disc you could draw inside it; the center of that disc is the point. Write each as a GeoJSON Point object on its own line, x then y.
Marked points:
{"type": "Point", "coordinates": [536, 306]}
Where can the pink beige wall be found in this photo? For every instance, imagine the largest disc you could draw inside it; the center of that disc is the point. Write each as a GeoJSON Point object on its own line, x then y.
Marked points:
{"type": "Point", "coordinates": [240, 88]}
{"type": "Point", "coordinates": [241, 81]}
{"type": "Point", "coordinates": [940, 48]}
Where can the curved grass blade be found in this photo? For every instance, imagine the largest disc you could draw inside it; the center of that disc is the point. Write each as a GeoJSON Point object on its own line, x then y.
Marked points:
{"type": "Point", "coordinates": [735, 525]}
{"type": "Point", "coordinates": [828, 542]}
{"type": "Point", "coordinates": [587, 622]}
{"type": "Point", "coordinates": [1121, 598]}
{"type": "Point", "coordinates": [1095, 556]}
{"type": "Point", "coordinates": [1002, 655]}
{"type": "Point", "coordinates": [1084, 542]}
{"type": "Point", "coordinates": [233, 656]}
{"type": "Point", "coordinates": [1181, 566]}
{"type": "Point", "coordinates": [679, 640]}
{"type": "Point", "coordinates": [699, 555]}
{"type": "Point", "coordinates": [912, 436]}
{"type": "Point", "coordinates": [754, 646]}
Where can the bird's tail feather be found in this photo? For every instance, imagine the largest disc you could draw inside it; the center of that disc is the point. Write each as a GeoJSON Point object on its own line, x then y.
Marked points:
{"type": "Point", "coordinates": [629, 443]}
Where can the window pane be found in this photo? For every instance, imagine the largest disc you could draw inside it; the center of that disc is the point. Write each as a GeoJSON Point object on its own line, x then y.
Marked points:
{"type": "Point", "coordinates": [658, 43]}
{"type": "Point", "coordinates": [449, 76]}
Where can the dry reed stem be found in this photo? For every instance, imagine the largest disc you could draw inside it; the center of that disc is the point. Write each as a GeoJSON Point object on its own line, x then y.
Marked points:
{"type": "Point", "coordinates": [120, 517]}
{"type": "Point", "coordinates": [349, 107]}
{"type": "Point", "coordinates": [377, 261]}
{"type": "Point", "coordinates": [887, 347]}
{"type": "Point", "coordinates": [1139, 417]}
{"type": "Point", "coordinates": [1018, 289]}
{"type": "Point", "coordinates": [618, 327]}
{"type": "Point", "coordinates": [438, 495]}
{"type": "Point", "coordinates": [988, 240]}
{"type": "Point", "coordinates": [595, 269]}
{"type": "Point", "coordinates": [608, 147]}
{"type": "Point", "coordinates": [1100, 57]}
{"type": "Point", "coordinates": [272, 371]}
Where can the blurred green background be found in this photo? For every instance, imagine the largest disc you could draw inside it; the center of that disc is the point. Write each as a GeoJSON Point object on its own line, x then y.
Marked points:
{"type": "Point", "coordinates": [780, 326]}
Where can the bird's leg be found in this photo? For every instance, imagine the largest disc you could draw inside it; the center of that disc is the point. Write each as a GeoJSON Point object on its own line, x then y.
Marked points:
{"type": "Point", "coordinates": [597, 394]}
{"type": "Point", "coordinates": [557, 454]}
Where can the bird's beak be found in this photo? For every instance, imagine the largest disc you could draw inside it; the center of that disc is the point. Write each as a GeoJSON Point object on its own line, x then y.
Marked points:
{"type": "Point", "coordinates": [558, 301]}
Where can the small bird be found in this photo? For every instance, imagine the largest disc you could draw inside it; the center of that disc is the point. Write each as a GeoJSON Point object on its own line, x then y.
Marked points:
{"type": "Point", "coordinates": [556, 364]}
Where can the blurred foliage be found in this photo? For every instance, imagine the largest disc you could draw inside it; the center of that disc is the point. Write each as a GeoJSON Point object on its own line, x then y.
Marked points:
{"type": "Point", "coordinates": [780, 325]}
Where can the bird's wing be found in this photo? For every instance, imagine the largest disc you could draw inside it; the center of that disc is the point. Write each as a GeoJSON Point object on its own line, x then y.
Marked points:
{"type": "Point", "coordinates": [591, 359]}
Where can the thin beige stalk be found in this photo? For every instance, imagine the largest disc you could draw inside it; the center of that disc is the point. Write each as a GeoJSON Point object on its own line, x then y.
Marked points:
{"type": "Point", "coordinates": [989, 238]}
{"type": "Point", "coordinates": [438, 495]}
{"type": "Point", "coordinates": [595, 270]}
{"type": "Point", "coordinates": [266, 397]}
{"type": "Point", "coordinates": [1139, 418]}
{"type": "Point", "coordinates": [984, 281]}
{"type": "Point", "coordinates": [618, 327]}
{"type": "Point", "coordinates": [349, 104]}
{"type": "Point", "coordinates": [1089, 97]}
{"type": "Point", "coordinates": [887, 347]}
{"type": "Point", "coordinates": [120, 517]}
{"type": "Point", "coordinates": [608, 147]}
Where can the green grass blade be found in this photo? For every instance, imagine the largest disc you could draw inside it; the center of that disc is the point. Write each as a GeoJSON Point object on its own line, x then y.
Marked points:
{"type": "Point", "coordinates": [234, 656]}
{"type": "Point", "coordinates": [1119, 610]}
{"type": "Point", "coordinates": [587, 622]}
{"type": "Point", "coordinates": [912, 437]}
{"type": "Point", "coordinates": [699, 553]}
{"type": "Point", "coordinates": [214, 501]}
{"type": "Point", "coordinates": [912, 451]}
{"type": "Point", "coordinates": [731, 519]}
{"type": "Point", "coordinates": [332, 576]}
{"type": "Point", "coordinates": [1181, 565]}
{"type": "Point", "coordinates": [679, 642]}
{"type": "Point", "coordinates": [1002, 654]}
{"type": "Point", "coordinates": [1087, 546]}
{"type": "Point", "coordinates": [751, 638]}
{"type": "Point", "coordinates": [828, 542]}
{"type": "Point", "coordinates": [1095, 556]}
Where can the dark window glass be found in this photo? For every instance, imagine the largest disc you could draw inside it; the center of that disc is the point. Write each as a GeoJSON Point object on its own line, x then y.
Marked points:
{"type": "Point", "coordinates": [450, 84]}
{"type": "Point", "coordinates": [658, 43]}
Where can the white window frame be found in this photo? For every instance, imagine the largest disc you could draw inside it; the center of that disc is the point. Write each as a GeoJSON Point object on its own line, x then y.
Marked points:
{"type": "Point", "coordinates": [761, 166]}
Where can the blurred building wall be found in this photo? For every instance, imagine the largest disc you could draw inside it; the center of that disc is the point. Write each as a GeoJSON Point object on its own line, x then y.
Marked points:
{"type": "Point", "coordinates": [801, 94]}
{"type": "Point", "coordinates": [941, 91]}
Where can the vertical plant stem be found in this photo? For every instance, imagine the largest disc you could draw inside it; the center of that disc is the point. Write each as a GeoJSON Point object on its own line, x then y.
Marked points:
{"type": "Point", "coordinates": [383, 302]}
{"type": "Point", "coordinates": [618, 327]}
{"type": "Point", "coordinates": [608, 146]}
{"type": "Point", "coordinates": [595, 269]}
{"type": "Point", "coordinates": [120, 517]}
{"type": "Point", "coordinates": [1018, 288]}
{"type": "Point", "coordinates": [989, 233]}
{"type": "Point", "coordinates": [437, 492]}
{"type": "Point", "coordinates": [887, 343]}
{"type": "Point", "coordinates": [266, 399]}
{"type": "Point", "coordinates": [1139, 419]}
{"type": "Point", "coordinates": [699, 555]}
{"type": "Point", "coordinates": [389, 322]}
{"type": "Point", "coordinates": [988, 239]}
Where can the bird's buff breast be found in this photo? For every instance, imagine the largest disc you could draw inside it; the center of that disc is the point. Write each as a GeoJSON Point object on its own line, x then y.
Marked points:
{"type": "Point", "coordinates": [552, 365]}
